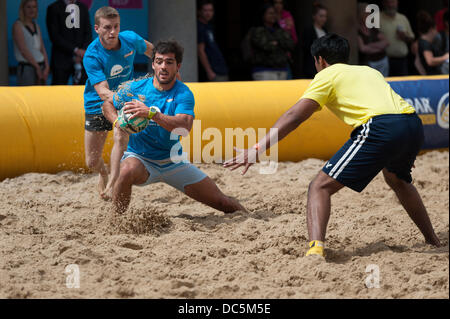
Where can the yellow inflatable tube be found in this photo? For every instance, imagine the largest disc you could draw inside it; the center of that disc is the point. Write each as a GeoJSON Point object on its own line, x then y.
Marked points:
{"type": "Point", "coordinates": [42, 128]}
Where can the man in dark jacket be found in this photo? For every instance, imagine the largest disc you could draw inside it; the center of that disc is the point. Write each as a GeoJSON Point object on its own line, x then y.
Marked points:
{"type": "Point", "coordinates": [70, 32]}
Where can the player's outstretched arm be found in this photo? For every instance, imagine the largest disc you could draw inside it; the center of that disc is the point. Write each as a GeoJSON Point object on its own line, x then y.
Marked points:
{"type": "Point", "coordinates": [288, 122]}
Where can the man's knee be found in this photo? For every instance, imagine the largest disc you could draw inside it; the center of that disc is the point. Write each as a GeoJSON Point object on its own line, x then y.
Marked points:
{"type": "Point", "coordinates": [93, 160]}
{"type": "Point", "coordinates": [126, 173]}
{"type": "Point", "coordinates": [324, 183]}
{"type": "Point", "coordinates": [393, 181]}
{"type": "Point", "coordinates": [132, 172]}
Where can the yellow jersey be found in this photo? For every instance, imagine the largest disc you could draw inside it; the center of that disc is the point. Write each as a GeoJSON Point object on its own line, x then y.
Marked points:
{"type": "Point", "coordinates": [355, 93]}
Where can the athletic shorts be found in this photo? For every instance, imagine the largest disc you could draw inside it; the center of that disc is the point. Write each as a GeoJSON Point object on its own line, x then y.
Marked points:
{"type": "Point", "coordinates": [96, 123]}
{"type": "Point", "coordinates": [178, 175]}
{"type": "Point", "coordinates": [390, 141]}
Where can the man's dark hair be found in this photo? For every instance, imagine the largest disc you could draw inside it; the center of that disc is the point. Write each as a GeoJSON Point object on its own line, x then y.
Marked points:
{"type": "Point", "coordinates": [317, 7]}
{"type": "Point", "coordinates": [169, 46]}
{"type": "Point", "coordinates": [202, 3]}
{"type": "Point", "coordinates": [331, 47]}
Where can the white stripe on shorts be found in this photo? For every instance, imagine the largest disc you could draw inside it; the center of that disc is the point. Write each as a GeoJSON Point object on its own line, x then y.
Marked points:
{"type": "Point", "coordinates": [358, 143]}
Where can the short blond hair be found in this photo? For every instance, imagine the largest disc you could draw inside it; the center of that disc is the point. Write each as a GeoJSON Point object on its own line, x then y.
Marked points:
{"type": "Point", "coordinates": [22, 5]}
{"type": "Point", "coordinates": [105, 13]}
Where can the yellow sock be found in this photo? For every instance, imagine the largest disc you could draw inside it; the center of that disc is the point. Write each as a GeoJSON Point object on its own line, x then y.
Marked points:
{"type": "Point", "coordinates": [316, 247]}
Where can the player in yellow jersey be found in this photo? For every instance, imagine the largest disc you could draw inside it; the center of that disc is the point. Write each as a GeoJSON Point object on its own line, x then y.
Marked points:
{"type": "Point", "coordinates": [387, 137]}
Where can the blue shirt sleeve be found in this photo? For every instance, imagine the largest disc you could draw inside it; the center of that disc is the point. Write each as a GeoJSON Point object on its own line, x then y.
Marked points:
{"type": "Point", "coordinates": [137, 41]}
{"type": "Point", "coordinates": [93, 69]}
{"type": "Point", "coordinates": [185, 103]}
{"type": "Point", "coordinates": [124, 94]}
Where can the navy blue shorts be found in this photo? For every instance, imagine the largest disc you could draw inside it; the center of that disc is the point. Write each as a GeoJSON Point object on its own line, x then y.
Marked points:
{"type": "Point", "coordinates": [97, 123]}
{"type": "Point", "coordinates": [390, 141]}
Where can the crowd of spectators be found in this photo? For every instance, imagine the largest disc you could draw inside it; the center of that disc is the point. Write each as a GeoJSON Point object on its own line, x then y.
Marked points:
{"type": "Point", "coordinates": [269, 47]}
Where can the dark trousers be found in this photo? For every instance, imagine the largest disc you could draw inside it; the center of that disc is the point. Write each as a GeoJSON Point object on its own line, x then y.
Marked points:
{"type": "Point", "coordinates": [398, 66]}
{"type": "Point", "coordinates": [60, 76]}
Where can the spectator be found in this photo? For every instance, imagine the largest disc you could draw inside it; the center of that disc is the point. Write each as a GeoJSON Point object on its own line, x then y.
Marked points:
{"type": "Point", "coordinates": [397, 29]}
{"type": "Point", "coordinates": [439, 16]}
{"type": "Point", "coordinates": [444, 43]}
{"type": "Point", "coordinates": [286, 22]}
{"type": "Point", "coordinates": [428, 54]}
{"type": "Point", "coordinates": [372, 44]}
{"type": "Point", "coordinates": [211, 59]}
{"type": "Point", "coordinates": [270, 44]}
{"type": "Point", "coordinates": [69, 43]}
{"type": "Point", "coordinates": [316, 31]}
{"type": "Point", "coordinates": [417, 64]}
{"type": "Point", "coordinates": [285, 19]}
{"type": "Point", "coordinates": [29, 48]}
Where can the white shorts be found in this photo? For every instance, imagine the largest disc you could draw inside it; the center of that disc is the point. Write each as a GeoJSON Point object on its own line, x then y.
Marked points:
{"type": "Point", "coordinates": [178, 175]}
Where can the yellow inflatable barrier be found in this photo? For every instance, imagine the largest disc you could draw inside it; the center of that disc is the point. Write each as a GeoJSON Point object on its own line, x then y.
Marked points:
{"type": "Point", "coordinates": [42, 128]}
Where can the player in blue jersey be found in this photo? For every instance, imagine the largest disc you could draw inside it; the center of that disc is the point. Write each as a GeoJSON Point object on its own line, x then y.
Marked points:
{"type": "Point", "coordinates": [108, 62]}
{"type": "Point", "coordinates": [152, 155]}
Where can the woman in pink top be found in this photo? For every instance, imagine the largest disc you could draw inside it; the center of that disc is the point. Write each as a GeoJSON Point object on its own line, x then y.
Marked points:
{"type": "Point", "coordinates": [286, 22]}
{"type": "Point", "coordinates": [285, 19]}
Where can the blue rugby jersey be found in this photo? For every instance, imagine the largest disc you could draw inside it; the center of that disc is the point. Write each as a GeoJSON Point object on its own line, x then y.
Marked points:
{"type": "Point", "coordinates": [154, 141]}
{"type": "Point", "coordinates": [114, 66]}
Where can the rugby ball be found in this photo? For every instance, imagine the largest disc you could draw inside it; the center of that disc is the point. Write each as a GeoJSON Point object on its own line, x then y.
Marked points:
{"type": "Point", "coordinates": [135, 125]}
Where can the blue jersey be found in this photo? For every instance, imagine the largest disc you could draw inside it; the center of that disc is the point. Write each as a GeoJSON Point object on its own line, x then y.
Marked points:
{"type": "Point", "coordinates": [114, 66]}
{"type": "Point", "coordinates": [154, 141]}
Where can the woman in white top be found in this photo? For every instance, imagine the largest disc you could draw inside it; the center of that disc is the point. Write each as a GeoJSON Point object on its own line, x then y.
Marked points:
{"type": "Point", "coordinates": [29, 50]}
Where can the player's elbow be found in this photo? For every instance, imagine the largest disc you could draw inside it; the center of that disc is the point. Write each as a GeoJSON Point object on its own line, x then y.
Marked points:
{"type": "Point", "coordinates": [187, 128]}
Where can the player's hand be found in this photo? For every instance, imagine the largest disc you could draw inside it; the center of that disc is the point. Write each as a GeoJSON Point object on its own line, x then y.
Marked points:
{"type": "Point", "coordinates": [136, 108]}
{"type": "Point", "coordinates": [246, 158]}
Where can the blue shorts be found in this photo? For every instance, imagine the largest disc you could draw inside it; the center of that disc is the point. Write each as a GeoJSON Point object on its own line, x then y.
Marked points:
{"type": "Point", "coordinates": [177, 175]}
{"type": "Point", "coordinates": [390, 141]}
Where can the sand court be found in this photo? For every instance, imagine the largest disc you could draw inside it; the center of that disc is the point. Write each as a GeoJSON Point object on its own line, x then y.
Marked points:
{"type": "Point", "coordinates": [170, 246]}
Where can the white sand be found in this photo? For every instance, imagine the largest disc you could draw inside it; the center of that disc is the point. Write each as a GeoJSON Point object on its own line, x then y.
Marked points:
{"type": "Point", "coordinates": [169, 246]}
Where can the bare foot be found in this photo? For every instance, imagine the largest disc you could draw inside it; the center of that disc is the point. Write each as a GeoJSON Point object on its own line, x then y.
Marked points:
{"type": "Point", "coordinates": [107, 193]}
{"type": "Point", "coordinates": [102, 182]}
{"type": "Point", "coordinates": [434, 241]}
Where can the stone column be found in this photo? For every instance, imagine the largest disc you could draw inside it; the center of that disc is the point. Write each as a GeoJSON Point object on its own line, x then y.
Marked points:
{"type": "Point", "coordinates": [342, 19]}
{"type": "Point", "coordinates": [177, 19]}
{"type": "Point", "coordinates": [4, 71]}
